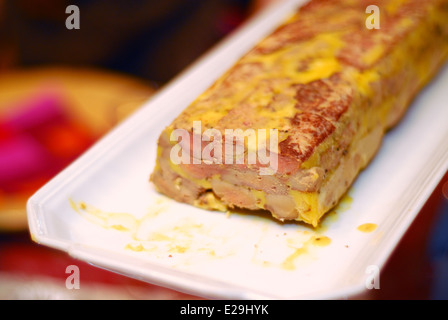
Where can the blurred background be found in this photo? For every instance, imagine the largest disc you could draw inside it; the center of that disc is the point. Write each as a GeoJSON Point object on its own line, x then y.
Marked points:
{"type": "Point", "coordinates": [61, 90]}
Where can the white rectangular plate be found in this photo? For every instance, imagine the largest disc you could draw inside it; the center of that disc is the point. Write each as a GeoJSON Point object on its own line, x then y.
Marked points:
{"type": "Point", "coordinates": [139, 233]}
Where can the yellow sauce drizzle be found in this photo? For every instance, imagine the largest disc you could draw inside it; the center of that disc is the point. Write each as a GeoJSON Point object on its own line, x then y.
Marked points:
{"type": "Point", "coordinates": [288, 264]}
{"type": "Point", "coordinates": [367, 227]}
{"type": "Point", "coordinates": [321, 241]}
{"type": "Point", "coordinates": [317, 241]}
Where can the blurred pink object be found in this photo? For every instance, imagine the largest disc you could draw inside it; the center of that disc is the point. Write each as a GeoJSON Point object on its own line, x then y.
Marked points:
{"type": "Point", "coordinates": [33, 112]}
{"type": "Point", "coordinates": [21, 157]}
{"type": "Point", "coordinates": [37, 139]}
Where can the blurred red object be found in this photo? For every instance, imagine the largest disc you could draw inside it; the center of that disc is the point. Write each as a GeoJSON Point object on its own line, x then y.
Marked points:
{"type": "Point", "coordinates": [38, 140]}
{"type": "Point", "coordinates": [50, 116]}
